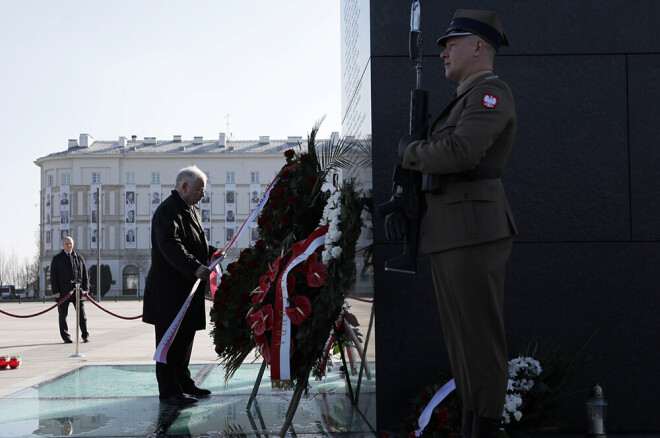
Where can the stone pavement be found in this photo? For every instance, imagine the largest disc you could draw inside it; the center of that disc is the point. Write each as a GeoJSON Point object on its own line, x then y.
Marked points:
{"type": "Point", "coordinates": [113, 341]}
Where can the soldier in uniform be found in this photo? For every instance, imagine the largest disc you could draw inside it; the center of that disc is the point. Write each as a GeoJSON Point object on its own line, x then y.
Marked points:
{"type": "Point", "coordinates": [467, 226]}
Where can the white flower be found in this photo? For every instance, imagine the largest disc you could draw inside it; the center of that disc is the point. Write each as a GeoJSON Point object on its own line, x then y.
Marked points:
{"type": "Point", "coordinates": [517, 415]}
{"type": "Point", "coordinates": [336, 251]}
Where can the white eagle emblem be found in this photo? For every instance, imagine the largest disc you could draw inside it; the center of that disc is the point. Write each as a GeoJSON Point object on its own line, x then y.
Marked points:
{"type": "Point", "coordinates": [489, 101]}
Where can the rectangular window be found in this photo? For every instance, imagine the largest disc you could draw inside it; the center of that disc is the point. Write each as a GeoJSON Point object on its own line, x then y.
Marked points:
{"type": "Point", "coordinates": [254, 177]}
{"type": "Point", "coordinates": [130, 177]}
{"type": "Point", "coordinates": [66, 179]}
{"type": "Point", "coordinates": [155, 178]}
{"type": "Point", "coordinates": [230, 178]}
{"type": "Point", "coordinates": [96, 178]}
{"type": "Point", "coordinates": [50, 180]}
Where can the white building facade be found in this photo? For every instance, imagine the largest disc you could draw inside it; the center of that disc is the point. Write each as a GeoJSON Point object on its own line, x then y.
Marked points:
{"type": "Point", "coordinates": [131, 177]}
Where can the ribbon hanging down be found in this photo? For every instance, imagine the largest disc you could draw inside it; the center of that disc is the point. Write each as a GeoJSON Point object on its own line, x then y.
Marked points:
{"type": "Point", "coordinates": [216, 271]}
{"type": "Point", "coordinates": [438, 397]}
{"type": "Point", "coordinates": [280, 349]}
{"type": "Point", "coordinates": [214, 279]}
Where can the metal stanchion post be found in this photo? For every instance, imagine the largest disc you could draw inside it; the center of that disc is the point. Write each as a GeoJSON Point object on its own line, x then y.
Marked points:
{"type": "Point", "coordinates": [77, 354]}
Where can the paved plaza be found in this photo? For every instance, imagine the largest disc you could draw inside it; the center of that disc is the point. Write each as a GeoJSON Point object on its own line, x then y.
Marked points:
{"type": "Point", "coordinates": [53, 386]}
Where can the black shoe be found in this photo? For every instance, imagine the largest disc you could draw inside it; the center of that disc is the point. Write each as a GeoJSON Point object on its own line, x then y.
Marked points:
{"type": "Point", "coordinates": [466, 424]}
{"type": "Point", "coordinates": [85, 340]}
{"type": "Point", "coordinates": [68, 341]}
{"type": "Point", "coordinates": [198, 392]}
{"type": "Point", "coordinates": [179, 400]}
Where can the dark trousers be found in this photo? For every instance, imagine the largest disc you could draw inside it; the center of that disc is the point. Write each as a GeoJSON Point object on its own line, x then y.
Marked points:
{"type": "Point", "coordinates": [63, 311]}
{"type": "Point", "coordinates": [174, 376]}
{"type": "Point", "coordinates": [469, 286]}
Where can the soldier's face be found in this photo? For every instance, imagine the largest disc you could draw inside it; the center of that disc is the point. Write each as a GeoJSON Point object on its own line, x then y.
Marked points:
{"type": "Point", "coordinates": [459, 58]}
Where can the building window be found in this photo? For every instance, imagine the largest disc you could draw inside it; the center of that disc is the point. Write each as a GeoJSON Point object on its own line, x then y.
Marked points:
{"type": "Point", "coordinates": [131, 281]}
{"type": "Point", "coordinates": [66, 179]}
{"type": "Point", "coordinates": [155, 178]}
{"type": "Point", "coordinates": [50, 180]}
{"type": "Point", "coordinates": [254, 177]}
{"type": "Point", "coordinates": [230, 178]}
{"type": "Point", "coordinates": [96, 178]}
{"type": "Point", "coordinates": [208, 177]}
{"type": "Point", "coordinates": [130, 177]}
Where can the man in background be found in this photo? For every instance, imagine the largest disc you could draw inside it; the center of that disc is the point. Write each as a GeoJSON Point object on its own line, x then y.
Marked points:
{"type": "Point", "coordinates": [66, 270]}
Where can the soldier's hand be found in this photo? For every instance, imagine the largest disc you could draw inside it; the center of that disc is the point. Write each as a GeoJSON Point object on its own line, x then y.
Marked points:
{"type": "Point", "coordinates": [396, 225]}
{"type": "Point", "coordinates": [202, 272]}
{"type": "Point", "coordinates": [405, 141]}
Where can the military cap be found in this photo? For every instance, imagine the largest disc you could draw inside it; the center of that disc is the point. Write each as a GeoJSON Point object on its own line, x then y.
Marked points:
{"type": "Point", "coordinates": [474, 22]}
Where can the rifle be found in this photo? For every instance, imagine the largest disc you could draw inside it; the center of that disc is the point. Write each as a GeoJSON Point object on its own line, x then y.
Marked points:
{"type": "Point", "coordinates": [406, 184]}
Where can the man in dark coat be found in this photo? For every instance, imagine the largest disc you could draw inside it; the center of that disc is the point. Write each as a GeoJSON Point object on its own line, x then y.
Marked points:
{"type": "Point", "coordinates": [179, 256]}
{"type": "Point", "coordinates": [66, 269]}
{"type": "Point", "coordinates": [468, 227]}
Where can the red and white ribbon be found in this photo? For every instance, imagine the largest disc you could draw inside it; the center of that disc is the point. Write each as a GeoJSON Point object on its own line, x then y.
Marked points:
{"type": "Point", "coordinates": [216, 271]}
{"type": "Point", "coordinates": [214, 279]}
{"type": "Point", "coordinates": [280, 350]}
{"type": "Point", "coordinates": [358, 347]}
{"type": "Point", "coordinates": [438, 397]}
{"type": "Point", "coordinates": [166, 342]}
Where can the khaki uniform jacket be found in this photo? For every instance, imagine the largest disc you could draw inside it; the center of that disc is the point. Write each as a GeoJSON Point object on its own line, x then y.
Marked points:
{"type": "Point", "coordinates": [476, 129]}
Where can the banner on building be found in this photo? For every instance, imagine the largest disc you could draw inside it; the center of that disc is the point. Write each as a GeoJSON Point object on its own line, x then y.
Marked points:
{"type": "Point", "coordinates": [255, 195]}
{"type": "Point", "coordinates": [48, 227]}
{"type": "Point", "coordinates": [155, 198]}
{"type": "Point", "coordinates": [130, 217]}
{"type": "Point", "coordinates": [94, 214]}
{"type": "Point", "coordinates": [65, 211]}
{"type": "Point", "coordinates": [230, 211]}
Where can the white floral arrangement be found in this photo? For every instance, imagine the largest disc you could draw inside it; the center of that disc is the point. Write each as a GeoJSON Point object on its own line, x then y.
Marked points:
{"type": "Point", "coordinates": [331, 214]}
{"type": "Point", "coordinates": [523, 372]}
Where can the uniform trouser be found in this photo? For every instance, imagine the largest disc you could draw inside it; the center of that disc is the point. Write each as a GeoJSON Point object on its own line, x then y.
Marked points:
{"type": "Point", "coordinates": [63, 311]}
{"type": "Point", "coordinates": [174, 376]}
{"type": "Point", "coordinates": [469, 286]}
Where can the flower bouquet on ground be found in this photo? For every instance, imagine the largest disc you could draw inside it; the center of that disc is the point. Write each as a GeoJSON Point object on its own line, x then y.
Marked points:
{"type": "Point", "coordinates": [283, 295]}
{"type": "Point", "coordinates": [536, 390]}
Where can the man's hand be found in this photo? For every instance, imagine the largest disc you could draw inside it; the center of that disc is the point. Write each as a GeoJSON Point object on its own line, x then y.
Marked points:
{"type": "Point", "coordinates": [202, 272]}
{"type": "Point", "coordinates": [405, 141]}
{"type": "Point", "coordinates": [396, 225]}
{"type": "Point", "coordinates": [56, 295]}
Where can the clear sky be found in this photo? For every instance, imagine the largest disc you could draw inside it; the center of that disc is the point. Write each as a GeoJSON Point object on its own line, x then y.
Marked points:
{"type": "Point", "coordinates": [155, 68]}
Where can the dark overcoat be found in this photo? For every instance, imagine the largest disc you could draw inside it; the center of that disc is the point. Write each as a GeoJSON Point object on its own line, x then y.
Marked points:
{"type": "Point", "coordinates": [475, 131]}
{"type": "Point", "coordinates": [178, 248]}
{"type": "Point", "coordinates": [62, 273]}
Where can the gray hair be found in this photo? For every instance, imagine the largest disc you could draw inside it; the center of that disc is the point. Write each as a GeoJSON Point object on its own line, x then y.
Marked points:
{"type": "Point", "coordinates": [190, 175]}
{"type": "Point", "coordinates": [67, 238]}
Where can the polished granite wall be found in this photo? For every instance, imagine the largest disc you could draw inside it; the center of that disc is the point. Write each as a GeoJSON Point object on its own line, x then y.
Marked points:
{"type": "Point", "coordinates": [584, 184]}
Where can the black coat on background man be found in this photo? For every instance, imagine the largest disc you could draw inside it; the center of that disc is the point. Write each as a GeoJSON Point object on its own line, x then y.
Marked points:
{"type": "Point", "coordinates": [63, 274]}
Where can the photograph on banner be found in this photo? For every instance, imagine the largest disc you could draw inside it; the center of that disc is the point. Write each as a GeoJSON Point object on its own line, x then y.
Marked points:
{"type": "Point", "coordinates": [47, 214]}
{"type": "Point", "coordinates": [230, 195]}
{"type": "Point", "coordinates": [130, 195]}
{"type": "Point", "coordinates": [229, 233]}
{"type": "Point", "coordinates": [93, 236]}
{"type": "Point", "coordinates": [207, 231]}
{"type": "Point", "coordinates": [254, 234]}
{"type": "Point", "coordinates": [205, 207]}
{"type": "Point", "coordinates": [130, 238]}
{"type": "Point", "coordinates": [255, 195]}
{"type": "Point", "coordinates": [155, 198]}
